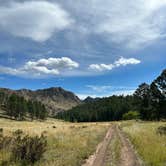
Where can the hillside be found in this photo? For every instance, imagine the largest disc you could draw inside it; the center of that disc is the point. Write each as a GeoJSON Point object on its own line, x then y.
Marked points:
{"type": "Point", "coordinates": [148, 103]}
{"type": "Point", "coordinates": [54, 99]}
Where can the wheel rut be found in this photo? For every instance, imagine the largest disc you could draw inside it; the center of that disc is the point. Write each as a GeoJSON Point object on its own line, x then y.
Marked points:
{"type": "Point", "coordinates": [128, 156]}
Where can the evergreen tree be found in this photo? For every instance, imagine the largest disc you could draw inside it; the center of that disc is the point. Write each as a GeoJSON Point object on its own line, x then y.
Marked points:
{"type": "Point", "coordinates": [12, 106]}
{"type": "Point", "coordinates": [148, 101]}
{"type": "Point", "coordinates": [158, 90]}
{"type": "Point", "coordinates": [18, 108]}
{"type": "Point", "coordinates": [31, 109]}
{"type": "Point", "coordinates": [143, 101]}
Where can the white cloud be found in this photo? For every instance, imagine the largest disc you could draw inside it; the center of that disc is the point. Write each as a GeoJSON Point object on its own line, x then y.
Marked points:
{"type": "Point", "coordinates": [37, 20]}
{"type": "Point", "coordinates": [106, 91]}
{"type": "Point", "coordinates": [129, 23]}
{"type": "Point", "coordinates": [101, 67]}
{"type": "Point", "coordinates": [59, 63]}
{"type": "Point", "coordinates": [123, 92]}
{"type": "Point", "coordinates": [123, 62]}
{"type": "Point", "coordinates": [42, 68]}
{"type": "Point", "coordinates": [99, 89]}
{"type": "Point", "coordinates": [118, 93]}
{"type": "Point", "coordinates": [120, 62]}
{"type": "Point", "coordinates": [133, 24]}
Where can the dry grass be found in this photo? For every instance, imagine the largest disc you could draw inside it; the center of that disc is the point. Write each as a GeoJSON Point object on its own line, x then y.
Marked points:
{"type": "Point", "coordinates": [150, 146]}
{"type": "Point", "coordinates": [113, 151]}
{"type": "Point", "coordinates": [69, 144]}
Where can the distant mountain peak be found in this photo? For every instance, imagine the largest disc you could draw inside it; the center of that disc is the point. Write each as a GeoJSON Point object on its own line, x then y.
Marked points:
{"type": "Point", "coordinates": [55, 99]}
{"type": "Point", "coordinates": [90, 99]}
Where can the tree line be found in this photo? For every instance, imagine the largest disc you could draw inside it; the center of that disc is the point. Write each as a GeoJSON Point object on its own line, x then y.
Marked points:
{"type": "Point", "coordinates": [19, 108]}
{"type": "Point", "coordinates": [148, 103]}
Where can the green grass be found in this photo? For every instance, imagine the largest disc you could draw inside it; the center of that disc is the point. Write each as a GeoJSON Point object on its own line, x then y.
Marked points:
{"type": "Point", "coordinates": [68, 144]}
{"type": "Point", "coordinates": [150, 146]}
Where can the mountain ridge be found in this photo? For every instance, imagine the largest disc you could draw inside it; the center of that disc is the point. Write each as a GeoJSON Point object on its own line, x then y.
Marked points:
{"type": "Point", "coordinates": [55, 99]}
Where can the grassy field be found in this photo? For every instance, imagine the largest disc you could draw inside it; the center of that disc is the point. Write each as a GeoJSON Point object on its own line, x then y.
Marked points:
{"type": "Point", "coordinates": [150, 146]}
{"type": "Point", "coordinates": [69, 144]}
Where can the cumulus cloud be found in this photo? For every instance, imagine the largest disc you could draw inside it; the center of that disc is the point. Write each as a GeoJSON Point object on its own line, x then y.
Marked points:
{"type": "Point", "coordinates": [37, 20]}
{"type": "Point", "coordinates": [120, 62]}
{"type": "Point", "coordinates": [124, 61]}
{"type": "Point", "coordinates": [101, 67]}
{"type": "Point", "coordinates": [42, 68]}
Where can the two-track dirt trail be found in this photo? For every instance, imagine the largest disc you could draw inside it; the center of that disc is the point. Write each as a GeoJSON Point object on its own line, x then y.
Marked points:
{"type": "Point", "coordinates": [128, 156]}
{"type": "Point", "coordinates": [97, 159]}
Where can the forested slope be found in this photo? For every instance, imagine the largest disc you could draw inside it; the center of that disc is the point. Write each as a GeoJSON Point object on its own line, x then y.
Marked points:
{"type": "Point", "coordinates": [148, 103]}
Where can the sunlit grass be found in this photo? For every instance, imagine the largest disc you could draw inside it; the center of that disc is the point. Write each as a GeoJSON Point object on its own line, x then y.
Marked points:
{"type": "Point", "coordinates": [113, 151]}
{"type": "Point", "coordinates": [69, 144]}
{"type": "Point", "coordinates": [150, 146]}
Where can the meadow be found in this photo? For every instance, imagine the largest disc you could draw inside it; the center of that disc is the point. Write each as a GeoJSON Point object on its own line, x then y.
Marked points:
{"type": "Point", "coordinates": [151, 146]}
{"type": "Point", "coordinates": [69, 144]}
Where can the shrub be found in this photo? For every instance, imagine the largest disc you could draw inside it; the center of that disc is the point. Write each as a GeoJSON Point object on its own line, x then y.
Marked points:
{"type": "Point", "coordinates": [1, 130]}
{"type": "Point", "coordinates": [44, 133]}
{"type": "Point", "coordinates": [131, 115]}
{"type": "Point", "coordinates": [28, 149]}
{"type": "Point", "coordinates": [161, 130]}
{"type": "Point", "coordinates": [5, 163]}
{"type": "Point", "coordinates": [18, 132]}
{"type": "Point", "coordinates": [5, 141]}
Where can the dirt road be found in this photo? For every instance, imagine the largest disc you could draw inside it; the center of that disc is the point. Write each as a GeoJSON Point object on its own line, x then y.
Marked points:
{"type": "Point", "coordinates": [128, 156]}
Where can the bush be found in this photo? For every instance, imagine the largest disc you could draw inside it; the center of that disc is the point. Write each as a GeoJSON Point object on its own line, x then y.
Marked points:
{"type": "Point", "coordinates": [161, 130]}
{"type": "Point", "coordinates": [1, 130]}
{"type": "Point", "coordinates": [18, 132]}
{"type": "Point", "coordinates": [131, 115]}
{"type": "Point", "coordinates": [5, 142]}
{"type": "Point", "coordinates": [28, 149]}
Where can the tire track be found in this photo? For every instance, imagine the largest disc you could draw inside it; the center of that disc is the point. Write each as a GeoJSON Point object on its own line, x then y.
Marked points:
{"type": "Point", "coordinates": [128, 156]}
{"type": "Point", "coordinates": [97, 159]}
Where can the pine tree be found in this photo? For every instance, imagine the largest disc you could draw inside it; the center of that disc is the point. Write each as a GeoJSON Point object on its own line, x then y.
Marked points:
{"type": "Point", "coordinates": [31, 109]}
{"type": "Point", "coordinates": [12, 106]}
{"type": "Point", "coordinates": [158, 90]}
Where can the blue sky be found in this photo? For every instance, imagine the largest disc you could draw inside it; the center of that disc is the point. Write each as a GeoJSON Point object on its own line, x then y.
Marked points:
{"type": "Point", "coordinates": [91, 47]}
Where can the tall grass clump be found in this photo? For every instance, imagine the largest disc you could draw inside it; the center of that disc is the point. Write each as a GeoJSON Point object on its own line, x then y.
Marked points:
{"type": "Point", "coordinates": [28, 149]}
{"type": "Point", "coordinates": [22, 149]}
{"type": "Point", "coordinates": [67, 145]}
{"type": "Point", "coordinates": [150, 145]}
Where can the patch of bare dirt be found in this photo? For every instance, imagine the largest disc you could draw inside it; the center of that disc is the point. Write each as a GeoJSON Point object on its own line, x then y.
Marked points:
{"type": "Point", "coordinates": [128, 155]}
{"type": "Point", "coordinates": [97, 159]}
